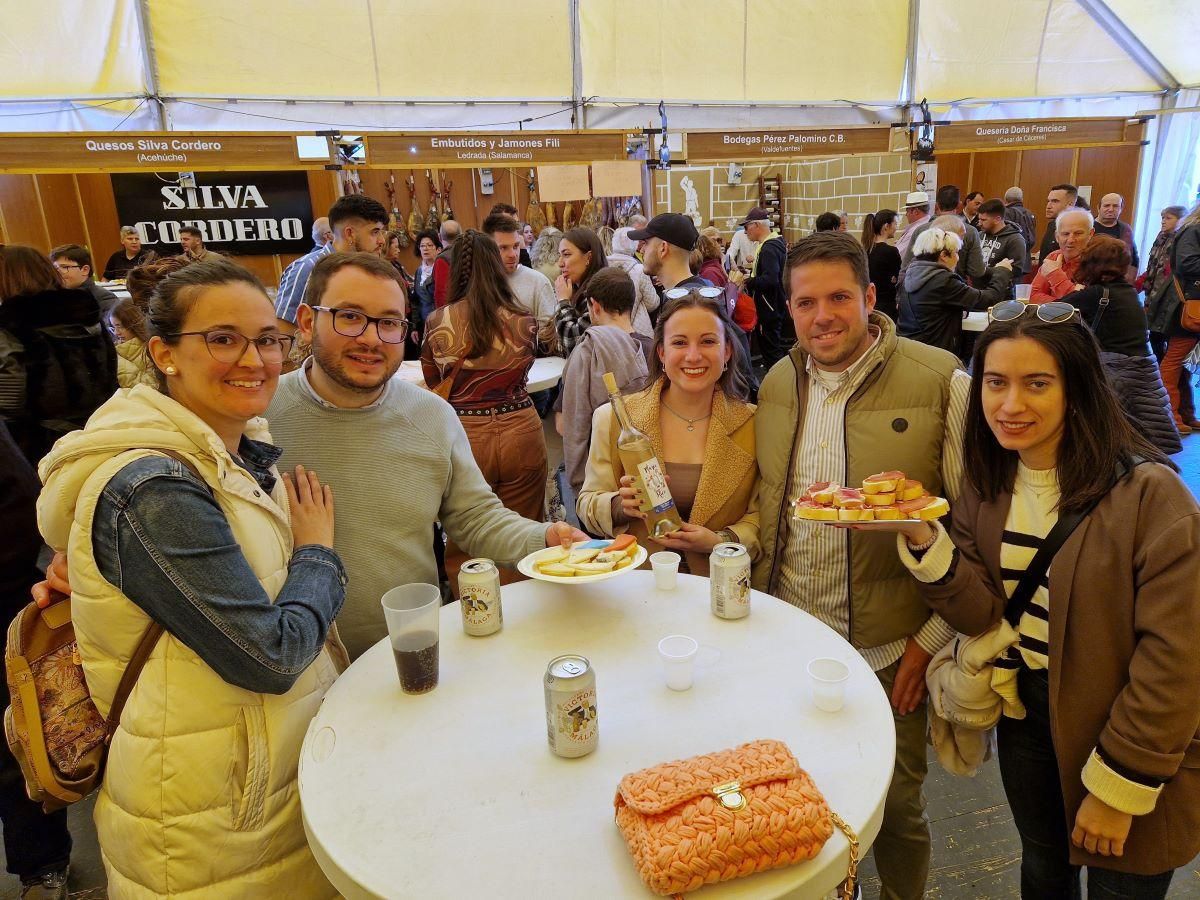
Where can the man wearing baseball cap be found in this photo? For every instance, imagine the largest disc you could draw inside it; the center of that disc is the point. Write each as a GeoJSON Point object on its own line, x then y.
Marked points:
{"type": "Point", "coordinates": [765, 285]}
{"type": "Point", "coordinates": [916, 211]}
{"type": "Point", "coordinates": [667, 241]}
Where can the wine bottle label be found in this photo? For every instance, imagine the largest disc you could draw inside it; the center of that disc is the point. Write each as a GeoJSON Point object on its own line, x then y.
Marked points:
{"type": "Point", "coordinates": [655, 483]}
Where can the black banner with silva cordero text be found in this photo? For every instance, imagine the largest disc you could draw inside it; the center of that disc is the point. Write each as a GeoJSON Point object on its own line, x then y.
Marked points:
{"type": "Point", "coordinates": [237, 212]}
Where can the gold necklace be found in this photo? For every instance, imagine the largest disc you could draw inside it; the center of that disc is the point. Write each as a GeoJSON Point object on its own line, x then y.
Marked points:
{"type": "Point", "coordinates": [691, 423]}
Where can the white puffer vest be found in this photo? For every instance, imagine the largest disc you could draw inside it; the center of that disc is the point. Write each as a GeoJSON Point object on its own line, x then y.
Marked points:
{"type": "Point", "coordinates": [200, 796]}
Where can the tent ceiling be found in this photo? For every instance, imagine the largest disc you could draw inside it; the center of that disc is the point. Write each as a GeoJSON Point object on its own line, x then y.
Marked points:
{"type": "Point", "coordinates": [362, 50]}
{"type": "Point", "coordinates": [64, 58]}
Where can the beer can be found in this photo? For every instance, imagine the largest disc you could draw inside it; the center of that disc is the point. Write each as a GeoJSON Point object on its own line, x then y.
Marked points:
{"type": "Point", "coordinates": [571, 724]}
{"type": "Point", "coordinates": [479, 597]}
{"type": "Point", "coordinates": [729, 581]}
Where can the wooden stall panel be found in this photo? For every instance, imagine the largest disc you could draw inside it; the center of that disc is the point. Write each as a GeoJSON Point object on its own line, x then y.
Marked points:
{"type": "Point", "coordinates": [323, 188]}
{"type": "Point", "coordinates": [953, 168]}
{"type": "Point", "coordinates": [1110, 170]}
{"type": "Point", "coordinates": [1040, 169]}
{"type": "Point", "coordinates": [100, 215]}
{"type": "Point", "coordinates": [21, 212]}
{"type": "Point", "coordinates": [60, 206]}
{"type": "Point", "coordinates": [993, 173]}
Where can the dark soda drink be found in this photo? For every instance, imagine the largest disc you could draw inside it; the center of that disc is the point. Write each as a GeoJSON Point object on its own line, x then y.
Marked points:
{"type": "Point", "coordinates": [417, 661]}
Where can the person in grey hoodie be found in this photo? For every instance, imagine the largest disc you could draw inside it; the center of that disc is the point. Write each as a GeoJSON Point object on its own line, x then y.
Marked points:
{"type": "Point", "coordinates": [609, 345]}
{"type": "Point", "coordinates": [936, 296]}
{"type": "Point", "coordinates": [1000, 239]}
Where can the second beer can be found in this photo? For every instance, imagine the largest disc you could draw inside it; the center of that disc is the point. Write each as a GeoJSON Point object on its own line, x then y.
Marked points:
{"type": "Point", "coordinates": [729, 581]}
{"type": "Point", "coordinates": [479, 597]}
{"type": "Point", "coordinates": [571, 724]}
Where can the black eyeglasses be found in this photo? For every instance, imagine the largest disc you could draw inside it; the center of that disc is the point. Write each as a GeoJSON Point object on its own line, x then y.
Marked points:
{"type": "Point", "coordinates": [711, 293]}
{"type": "Point", "coordinates": [230, 346]}
{"type": "Point", "coordinates": [352, 323]}
{"type": "Point", "coordinates": [1053, 312]}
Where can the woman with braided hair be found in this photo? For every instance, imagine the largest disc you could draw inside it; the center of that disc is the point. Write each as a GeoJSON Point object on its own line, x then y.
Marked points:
{"type": "Point", "coordinates": [484, 344]}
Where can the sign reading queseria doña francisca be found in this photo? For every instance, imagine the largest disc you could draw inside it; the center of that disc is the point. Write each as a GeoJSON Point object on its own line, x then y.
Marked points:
{"type": "Point", "coordinates": [150, 152]}
{"type": "Point", "coordinates": [236, 212]}
{"type": "Point", "coordinates": [742, 146]}
{"type": "Point", "coordinates": [1014, 134]}
{"type": "Point", "coordinates": [482, 148]}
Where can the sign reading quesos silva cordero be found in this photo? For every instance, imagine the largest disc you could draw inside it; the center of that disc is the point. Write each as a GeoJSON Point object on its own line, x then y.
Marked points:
{"type": "Point", "coordinates": [237, 212]}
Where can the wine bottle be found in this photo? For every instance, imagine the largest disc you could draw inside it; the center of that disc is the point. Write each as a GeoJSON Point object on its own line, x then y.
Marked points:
{"type": "Point", "coordinates": [638, 460]}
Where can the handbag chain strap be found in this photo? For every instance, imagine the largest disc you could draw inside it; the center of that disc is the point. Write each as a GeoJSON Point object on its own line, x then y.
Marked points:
{"type": "Point", "coordinates": [848, 886]}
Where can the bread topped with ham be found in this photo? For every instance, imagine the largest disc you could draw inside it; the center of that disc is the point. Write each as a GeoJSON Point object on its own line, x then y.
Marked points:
{"type": "Point", "coordinates": [887, 496]}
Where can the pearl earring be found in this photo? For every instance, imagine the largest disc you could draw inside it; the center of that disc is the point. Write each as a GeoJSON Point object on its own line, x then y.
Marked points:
{"type": "Point", "coordinates": [171, 370]}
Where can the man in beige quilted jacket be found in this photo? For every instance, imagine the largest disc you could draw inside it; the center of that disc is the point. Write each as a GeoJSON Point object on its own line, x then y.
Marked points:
{"type": "Point", "coordinates": [853, 399]}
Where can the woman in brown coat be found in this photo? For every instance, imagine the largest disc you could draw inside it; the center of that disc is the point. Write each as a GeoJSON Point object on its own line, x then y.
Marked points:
{"type": "Point", "coordinates": [1104, 769]}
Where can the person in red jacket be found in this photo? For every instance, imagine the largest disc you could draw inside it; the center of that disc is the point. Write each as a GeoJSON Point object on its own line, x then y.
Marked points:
{"type": "Point", "coordinates": [448, 233]}
{"type": "Point", "coordinates": [1056, 278]}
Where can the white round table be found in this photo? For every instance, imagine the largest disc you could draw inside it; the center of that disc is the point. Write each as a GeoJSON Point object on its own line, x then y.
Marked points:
{"type": "Point", "coordinates": [455, 793]}
{"type": "Point", "coordinates": [545, 372]}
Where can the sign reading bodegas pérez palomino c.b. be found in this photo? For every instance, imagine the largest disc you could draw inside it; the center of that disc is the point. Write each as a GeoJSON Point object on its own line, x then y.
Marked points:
{"type": "Point", "coordinates": [150, 151]}
{"type": "Point", "coordinates": [482, 148]}
{"type": "Point", "coordinates": [237, 212]}
{"type": "Point", "coordinates": [736, 146]}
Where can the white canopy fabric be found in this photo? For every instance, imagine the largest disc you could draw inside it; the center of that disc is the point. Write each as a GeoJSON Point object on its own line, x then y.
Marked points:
{"type": "Point", "coordinates": [362, 65]}
{"type": "Point", "coordinates": [359, 64]}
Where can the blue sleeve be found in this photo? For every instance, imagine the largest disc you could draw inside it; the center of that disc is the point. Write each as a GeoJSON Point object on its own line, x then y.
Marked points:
{"type": "Point", "coordinates": [159, 536]}
{"type": "Point", "coordinates": [291, 289]}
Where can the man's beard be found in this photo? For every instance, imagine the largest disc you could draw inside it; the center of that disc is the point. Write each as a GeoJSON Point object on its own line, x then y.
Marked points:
{"type": "Point", "coordinates": [331, 364]}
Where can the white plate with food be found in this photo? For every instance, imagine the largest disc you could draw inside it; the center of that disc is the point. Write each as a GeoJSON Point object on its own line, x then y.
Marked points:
{"type": "Point", "coordinates": [585, 562]}
{"type": "Point", "coordinates": [875, 525]}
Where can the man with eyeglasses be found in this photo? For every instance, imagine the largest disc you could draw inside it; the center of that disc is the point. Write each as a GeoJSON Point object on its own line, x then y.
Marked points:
{"type": "Point", "coordinates": [395, 454]}
{"type": "Point", "coordinates": [74, 265]}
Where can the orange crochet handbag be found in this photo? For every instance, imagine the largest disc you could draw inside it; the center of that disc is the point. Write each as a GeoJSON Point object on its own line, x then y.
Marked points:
{"type": "Point", "coordinates": [723, 815]}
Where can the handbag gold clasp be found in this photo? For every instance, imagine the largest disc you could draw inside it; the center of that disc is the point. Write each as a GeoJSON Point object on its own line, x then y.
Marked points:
{"type": "Point", "coordinates": [730, 794]}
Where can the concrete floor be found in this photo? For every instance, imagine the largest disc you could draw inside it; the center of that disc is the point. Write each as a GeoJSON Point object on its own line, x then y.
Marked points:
{"type": "Point", "coordinates": [976, 852]}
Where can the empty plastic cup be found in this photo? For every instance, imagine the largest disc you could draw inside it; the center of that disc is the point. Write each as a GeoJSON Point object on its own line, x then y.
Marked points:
{"type": "Point", "coordinates": [828, 683]}
{"type": "Point", "coordinates": [1023, 291]}
{"type": "Point", "coordinates": [666, 569]}
{"type": "Point", "coordinates": [678, 653]}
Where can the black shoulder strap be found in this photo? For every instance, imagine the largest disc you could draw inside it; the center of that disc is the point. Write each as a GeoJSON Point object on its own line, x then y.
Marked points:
{"type": "Point", "coordinates": [1100, 311]}
{"type": "Point", "coordinates": [1063, 528]}
{"type": "Point", "coordinates": [1032, 577]}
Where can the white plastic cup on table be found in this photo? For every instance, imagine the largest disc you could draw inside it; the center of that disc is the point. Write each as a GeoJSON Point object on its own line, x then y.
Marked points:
{"type": "Point", "coordinates": [828, 677]}
{"type": "Point", "coordinates": [665, 565]}
{"type": "Point", "coordinates": [1023, 291]}
{"type": "Point", "coordinates": [678, 654]}
{"type": "Point", "coordinates": [413, 612]}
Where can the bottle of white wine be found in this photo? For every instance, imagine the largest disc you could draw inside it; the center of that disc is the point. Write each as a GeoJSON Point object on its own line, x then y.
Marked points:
{"type": "Point", "coordinates": [638, 460]}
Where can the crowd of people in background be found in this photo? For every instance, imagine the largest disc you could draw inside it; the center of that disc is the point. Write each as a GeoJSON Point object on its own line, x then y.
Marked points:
{"type": "Point", "coordinates": [755, 368]}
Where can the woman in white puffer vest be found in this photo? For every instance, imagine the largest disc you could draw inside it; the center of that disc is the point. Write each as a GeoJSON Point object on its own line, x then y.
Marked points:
{"type": "Point", "coordinates": [200, 798]}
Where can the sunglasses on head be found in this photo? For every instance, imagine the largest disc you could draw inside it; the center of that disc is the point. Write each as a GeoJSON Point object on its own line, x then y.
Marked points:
{"type": "Point", "coordinates": [1053, 312]}
{"type": "Point", "coordinates": [710, 292]}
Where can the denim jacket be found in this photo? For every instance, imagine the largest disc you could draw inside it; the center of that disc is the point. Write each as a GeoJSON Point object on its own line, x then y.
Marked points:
{"type": "Point", "coordinates": [160, 537]}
